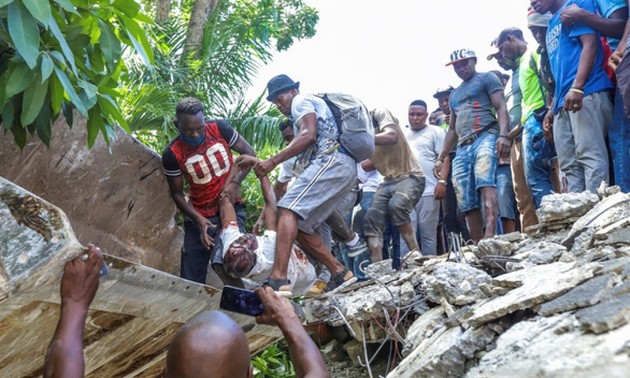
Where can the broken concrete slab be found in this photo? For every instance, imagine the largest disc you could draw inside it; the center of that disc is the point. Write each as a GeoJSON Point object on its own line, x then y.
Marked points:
{"type": "Point", "coordinates": [436, 356]}
{"type": "Point", "coordinates": [496, 246]}
{"type": "Point", "coordinates": [610, 210]}
{"type": "Point", "coordinates": [420, 328]}
{"type": "Point", "coordinates": [545, 253]}
{"type": "Point", "coordinates": [617, 233]}
{"type": "Point", "coordinates": [131, 320]}
{"type": "Point", "coordinates": [109, 192]}
{"type": "Point", "coordinates": [457, 283]}
{"type": "Point", "coordinates": [559, 207]}
{"type": "Point", "coordinates": [474, 340]}
{"type": "Point", "coordinates": [538, 284]}
{"type": "Point", "coordinates": [605, 316]}
{"type": "Point", "coordinates": [583, 295]}
{"type": "Point", "coordinates": [555, 347]}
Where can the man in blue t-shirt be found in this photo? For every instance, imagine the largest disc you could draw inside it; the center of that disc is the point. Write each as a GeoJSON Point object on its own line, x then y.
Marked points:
{"type": "Point", "coordinates": [582, 106]}
{"type": "Point", "coordinates": [479, 127]}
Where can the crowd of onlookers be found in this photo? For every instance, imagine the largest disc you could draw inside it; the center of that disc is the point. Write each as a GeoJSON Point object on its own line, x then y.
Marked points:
{"type": "Point", "coordinates": [478, 165]}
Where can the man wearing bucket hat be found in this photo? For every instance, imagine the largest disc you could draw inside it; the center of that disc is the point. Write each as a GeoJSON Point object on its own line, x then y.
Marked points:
{"type": "Point", "coordinates": [480, 136]}
{"type": "Point", "coordinates": [582, 107]}
{"type": "Point", "coordinates": [324, 185]}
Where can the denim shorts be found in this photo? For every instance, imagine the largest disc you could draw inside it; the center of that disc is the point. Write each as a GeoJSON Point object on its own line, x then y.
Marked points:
{"type": "Point", "coordinates": [475, 167]}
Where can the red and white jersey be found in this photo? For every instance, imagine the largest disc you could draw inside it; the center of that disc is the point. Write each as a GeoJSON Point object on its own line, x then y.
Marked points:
{"type": "Point", "coordinates": [205, 167]}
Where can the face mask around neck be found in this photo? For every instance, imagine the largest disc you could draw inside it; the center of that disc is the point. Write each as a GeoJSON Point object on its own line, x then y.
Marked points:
{"type": "Point", "coordinates": [192, 141]}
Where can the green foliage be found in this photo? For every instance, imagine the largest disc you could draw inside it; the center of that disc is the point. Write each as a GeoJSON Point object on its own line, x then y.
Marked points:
{"type": "Point", "coordinates": [273, 362]}
{"type": "Point", "coordinates": [63, 55]}
{"type": "Point", "coordinates": [239, 37]}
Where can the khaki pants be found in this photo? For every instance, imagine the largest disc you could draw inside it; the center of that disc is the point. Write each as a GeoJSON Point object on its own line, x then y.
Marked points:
{"type": "Point", "coordinates": [524, 199]}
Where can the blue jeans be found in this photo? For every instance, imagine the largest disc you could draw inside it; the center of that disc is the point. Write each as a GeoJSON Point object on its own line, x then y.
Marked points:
{"type": "Point", "coordinates": [391, 235]}
{"type": "Point", "coordinates": [475, 167]}
{"type": "Point", "coordinates": [505, 192]}
{"type": "Point", "coordinates": [538, 155]}
{"type": "Point", "coordinates": [619, 138]}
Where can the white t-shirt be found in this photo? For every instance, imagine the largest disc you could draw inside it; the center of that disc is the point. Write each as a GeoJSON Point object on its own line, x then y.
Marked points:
{"type": "Point", "coordinates": [301, 272]}
{"type": "Point", "coordinates": [426, 145]}
{"type": "Point", "coordinates": [304, 104]}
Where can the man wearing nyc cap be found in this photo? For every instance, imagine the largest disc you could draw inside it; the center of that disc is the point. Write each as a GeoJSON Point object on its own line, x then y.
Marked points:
{"type": "Point", "coordinates": [582, 107]}
{"type": "Point", "coordinates": [324, 185]}
{"type": "Point", "coordinates": [480, 136]}
{"type": "Point", "coordinates": [201, 155]}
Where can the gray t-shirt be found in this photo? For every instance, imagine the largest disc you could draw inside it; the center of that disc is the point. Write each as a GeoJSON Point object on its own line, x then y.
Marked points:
{"type": "Point", "coordinates": [426, 145]}
{"type": "Point", "coordinates": [327, 132]}
{"type": "Point", "coordinates": [472, 105]}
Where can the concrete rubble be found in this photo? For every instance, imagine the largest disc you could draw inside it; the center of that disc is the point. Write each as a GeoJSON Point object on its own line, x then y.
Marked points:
{"type": "Point", "coordinates": [552, 302]}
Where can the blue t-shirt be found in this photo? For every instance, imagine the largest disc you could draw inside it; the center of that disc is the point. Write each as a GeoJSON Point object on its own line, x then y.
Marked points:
{"type": "Point", "coordinates": [564, 47]}
{"type": "Point", "coordinates": [605, 8]}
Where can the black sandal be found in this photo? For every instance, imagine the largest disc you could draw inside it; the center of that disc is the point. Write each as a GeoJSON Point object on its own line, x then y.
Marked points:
{"type": "Point", "coordinates": [276, 284]}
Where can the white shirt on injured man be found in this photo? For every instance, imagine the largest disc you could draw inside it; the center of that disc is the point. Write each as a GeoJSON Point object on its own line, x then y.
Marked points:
{"type": "Point", "coordinates": [301, 272]}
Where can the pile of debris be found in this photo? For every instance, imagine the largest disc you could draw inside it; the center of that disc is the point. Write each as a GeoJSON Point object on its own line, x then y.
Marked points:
{"type": "Point", "coordinates": [553, 302]}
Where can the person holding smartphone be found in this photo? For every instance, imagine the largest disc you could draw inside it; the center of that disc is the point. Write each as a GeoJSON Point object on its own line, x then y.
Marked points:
{"type": "Point", "coordinates": [211, 344]}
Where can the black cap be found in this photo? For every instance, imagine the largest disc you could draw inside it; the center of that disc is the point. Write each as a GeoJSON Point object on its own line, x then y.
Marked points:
{"type": "Point", "coordinates": [279, 84]}
{"type": "Point", "coordinates": [443, 91]}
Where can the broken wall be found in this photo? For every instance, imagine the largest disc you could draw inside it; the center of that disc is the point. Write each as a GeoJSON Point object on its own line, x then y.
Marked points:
{"type": "Point", "coordinates": [115, 195]}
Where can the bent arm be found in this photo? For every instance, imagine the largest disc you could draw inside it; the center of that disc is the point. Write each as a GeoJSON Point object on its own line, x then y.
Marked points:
{"type": "Point", "coordinates": [271, 210]}
{"type": "Point", "coordinates": [450, 140]}
{"type": "Point", "coordinates": [387, 136]}
{"type": "Point", "coordinates": [306, 136]}
{"type": "Point", "coordinates": [587, 59]}
{"type": "Point", "coordinates": [612, 26]}
{"type": "Point", "coordinates": [176, 187]}
{"type": "Point", "coordinates": [498, 101]}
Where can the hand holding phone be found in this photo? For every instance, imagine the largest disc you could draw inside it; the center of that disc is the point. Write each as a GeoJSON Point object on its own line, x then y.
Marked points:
{"type": "Point", "coordinates": [239, 300]}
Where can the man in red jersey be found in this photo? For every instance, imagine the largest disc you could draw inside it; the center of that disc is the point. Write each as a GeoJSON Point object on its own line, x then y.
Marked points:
{"type": "Point", "coordinates": [201, 154]}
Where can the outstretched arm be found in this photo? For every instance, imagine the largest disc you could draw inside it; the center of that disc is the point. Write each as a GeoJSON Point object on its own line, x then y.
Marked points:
{"type": "Point", "coordinates": [278, 311]}
{"type": "Point", "coordinates": [236, 176]}
{"type": "Point", "coordinates": [79, 283]}
{"type": "Point", "coordinates": [270, 210]}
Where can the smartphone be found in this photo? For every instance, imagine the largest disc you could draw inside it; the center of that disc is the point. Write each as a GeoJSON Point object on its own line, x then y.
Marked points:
{"type": "Point", "coordinates": [239, 300]}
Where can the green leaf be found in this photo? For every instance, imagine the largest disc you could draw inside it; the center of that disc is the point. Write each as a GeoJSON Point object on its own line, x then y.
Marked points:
{"type": "Point", "coordinates": [54, 28]}
{"type": "Point", "coordinates": [40, 9]}
{"type": "Point", "coordinates": [47, 67]}
{"type": "Point", "coordinates": [7, 115]}
{"type": "Point", "coordinates": [43, 125]}
{"type": "Point", "coordinates": [111, 109]}
{"type": "Point", "coordinates": [94, 124]}
{"type": "Point", "coordinates": [24, 33]}
{"type": "Point", "coordinates": [56, 94]}
{"type": "Point", "coordinates": [129, 8]}
{"type": "Point", "coordinates": [90, 89]}
{"type": "Point", "coordinates": [32, 101]}
{"type": "Point", "coordinates": [20, 78]}
{"type": "Point", "coordinates": [19, 134]}
{"type": "Point", "coordinates": [5, 2]}
{"type": "Point", "coordinates": [67, 5]}
{"type": "Point", "coordinates": [68, 114]}
{"type": "Point", "coordinates": [67, 85]}
{"type": "Point", "coordinates": [138, 38]}
{"type": "Point", "coordinates": [110, 45]}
